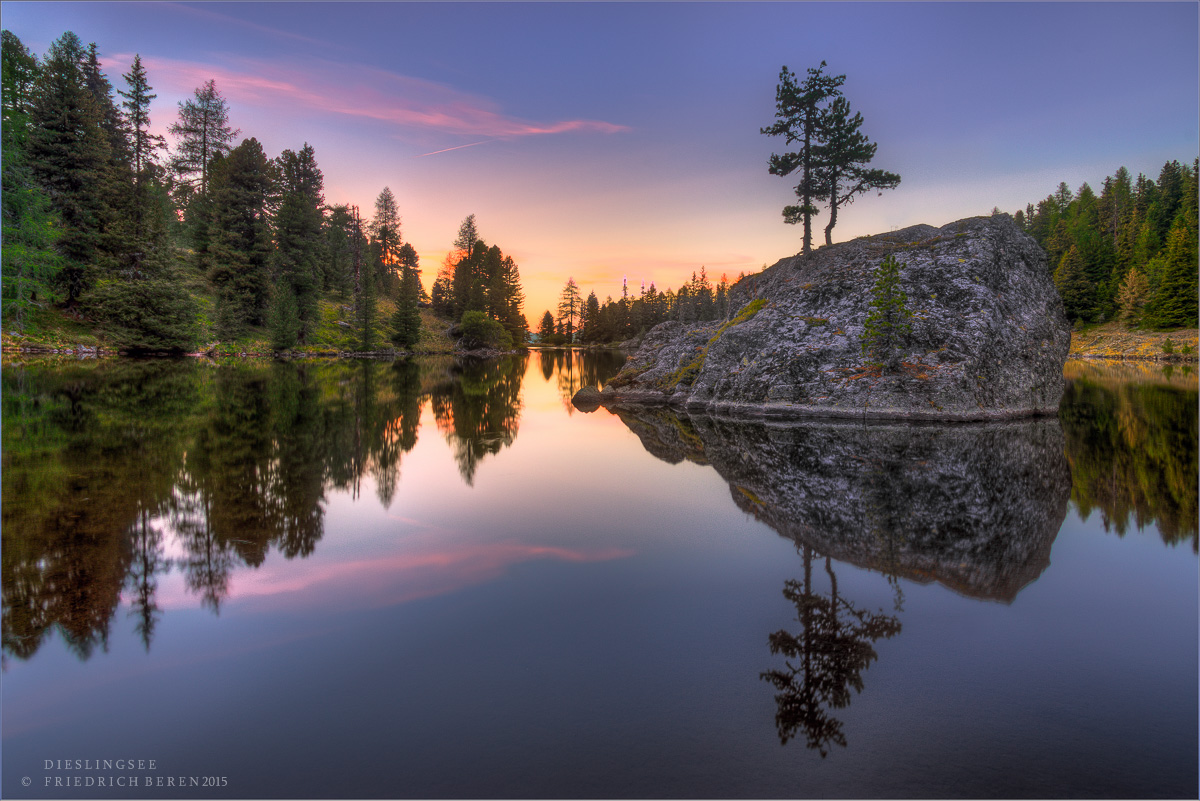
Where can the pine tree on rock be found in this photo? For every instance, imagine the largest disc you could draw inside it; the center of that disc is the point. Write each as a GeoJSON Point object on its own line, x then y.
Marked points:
{"type": "Point", "coordinates": [799, 110]}
{"type": "Point", "coordinates": [842, 161]}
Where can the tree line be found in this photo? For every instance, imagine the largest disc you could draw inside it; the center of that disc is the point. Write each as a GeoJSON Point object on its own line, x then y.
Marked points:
{"type": "Point", "coordinates": [104, 220]}
{"type": "Point", "coordinates": [586, 320]}
{"type": "Point", "coordinates": [1128, 253]}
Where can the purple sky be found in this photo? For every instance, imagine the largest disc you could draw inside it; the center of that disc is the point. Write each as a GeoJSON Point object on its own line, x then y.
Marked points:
{"type": "Point", "coordinates": [604, 140]}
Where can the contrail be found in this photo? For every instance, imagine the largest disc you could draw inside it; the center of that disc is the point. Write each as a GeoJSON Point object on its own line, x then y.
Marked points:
{"type": "Point", "coordinates": [459, 147]}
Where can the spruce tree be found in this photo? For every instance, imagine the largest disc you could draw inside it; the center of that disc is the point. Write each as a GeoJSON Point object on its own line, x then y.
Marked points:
{"type": "Point", "coordinates": [241, 239]}
{"type": "Point", "coordinates": [570, 308]}
{"type": "Point", "coordinates": [889, 324]}
{"type": "Point", "coordinates": [364, 285]}
{"type": "Point", "coordinates": [385, 231]}
{"type": "Point", "coordinates": [299, 245]}
{"type": "Point", "coordinates": [546, 329]}
{"type": "Point", "coordinates": [112, 121]}
{"type": "Point", "coordinates": [1072, 284]}
{"type": "Point", "coordinates": [406, 322]}
{"type": "Point", "coordinates": [1174, 300]}
{"type": "Point", "coordinates": [68, 154]}
{"type": "Point", "coordinates": [284, 319]}
{"type": "Point", "coordinates": [29, 258]}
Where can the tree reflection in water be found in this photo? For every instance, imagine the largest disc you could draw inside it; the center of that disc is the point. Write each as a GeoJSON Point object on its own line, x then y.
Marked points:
{"type": "Point", "coordinates": [824, 660]}
{"type": "Point", "coordinates": [1132, 446]}
{"type": "Point", "coordinates": [576, 369]}
{"type": "Point", "coordinates": [104, 463]}
{"type": "Point", "coordinates": [477, 408]}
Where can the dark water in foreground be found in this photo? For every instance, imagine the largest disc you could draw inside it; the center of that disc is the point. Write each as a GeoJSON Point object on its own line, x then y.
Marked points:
{"type": "Point", "coordinates": [424, 580]}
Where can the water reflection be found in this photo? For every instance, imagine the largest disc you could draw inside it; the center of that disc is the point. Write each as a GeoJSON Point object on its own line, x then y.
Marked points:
{"type": "Point", "coordinates": [973, 507]}
{"type": "Point", "coordinates": [104, 462]}
{"type": "Point", "coordinates": [1131, 441]}
{"type": "Point", "coordinates": [824, 660]}
{"type": "Point", "coordinates": [573, 370]}
{"type": "Point", "coordinates": [477, 406]}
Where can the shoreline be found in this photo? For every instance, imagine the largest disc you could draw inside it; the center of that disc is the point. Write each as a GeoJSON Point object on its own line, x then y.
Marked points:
{"type": "Point", "coordinates": [1107, 341]}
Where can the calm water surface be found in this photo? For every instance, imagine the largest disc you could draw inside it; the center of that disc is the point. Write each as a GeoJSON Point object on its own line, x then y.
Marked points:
{"type": "Point", "coordinates": [424, 579]}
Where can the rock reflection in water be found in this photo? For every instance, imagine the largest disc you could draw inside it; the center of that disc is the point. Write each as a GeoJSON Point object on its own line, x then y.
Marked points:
{"type": "Point", "coordinates": [973, 507]}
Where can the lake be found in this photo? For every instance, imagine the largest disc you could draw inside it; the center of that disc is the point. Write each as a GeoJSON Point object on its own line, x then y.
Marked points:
{"type": "Point", "coordinates": [440, 580]}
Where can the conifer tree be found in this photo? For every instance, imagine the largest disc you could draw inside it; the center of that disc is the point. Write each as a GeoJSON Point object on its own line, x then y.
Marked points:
{"type": "Point", "coordinates": [1173, 303]}
{"type": "Point", "coordinates": [1072, 284]}
{"type": "Point", "coordinates": [364, 284]}
{"type": "Point", "coordinates": [512, 315]}
{"type": "Point", "coordinates": [799, 109]}
{"type": "Point", "coordinates": [241, 242]}
{"type": "Point", "coordinates": [203, 134]}
{"type": "Point", "coordinates": [284, 319]}
{"type": "Point", "coordinates": [842, 160]}
{"type": "Point", "coordinates": [546, 329]}
{"type": "Point", "coordinates": [338, 269]}
{"type": "Point", "coordinates": [888, 326]}
{"type": "Point", "coordinates": [570, 307]}
{"type": "Point", "coordinates": [30, 260]}
{"type": "Point", "coordinates": [442, 296]}
{"type": "Point", "coordinates": [68, 154]}
{"type": "Point", "coordinates": [111, 120]}
{"type": "Point", "coordinates": [385, 231]}
{"type": "Point", "coordinates": [1131, 297]}
{"type": "Point", "coordinates": [406, 322]}
{"type": "Point", "coordinates": [145, 144]}
{"type": "Point", "coordinates": [299, 245]}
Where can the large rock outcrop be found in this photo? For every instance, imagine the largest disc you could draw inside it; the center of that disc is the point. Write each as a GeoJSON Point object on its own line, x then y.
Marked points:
{"type": "Point", "coordinates": [988, 341]}
{"type": "Point", "coordinates": [974, 507]}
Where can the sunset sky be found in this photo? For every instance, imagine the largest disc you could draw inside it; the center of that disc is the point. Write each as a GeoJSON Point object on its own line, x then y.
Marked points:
{"type": "Point", "coordinates": [611, 140]}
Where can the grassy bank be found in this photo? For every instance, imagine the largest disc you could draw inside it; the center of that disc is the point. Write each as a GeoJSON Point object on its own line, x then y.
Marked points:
{"type": "Point", "coordinates": [1112, 341]}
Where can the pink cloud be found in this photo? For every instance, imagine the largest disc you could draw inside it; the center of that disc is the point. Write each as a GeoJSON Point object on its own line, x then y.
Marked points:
{"type": "Point", "coordinates": [355, 91]}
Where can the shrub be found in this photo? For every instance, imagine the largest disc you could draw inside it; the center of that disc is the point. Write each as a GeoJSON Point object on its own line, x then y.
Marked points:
{"type": "Point", "coordinates": [480, 331]}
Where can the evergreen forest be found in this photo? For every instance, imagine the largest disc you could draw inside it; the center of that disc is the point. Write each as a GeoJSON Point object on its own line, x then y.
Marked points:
{"type": "Point", "coordinates": [161, 244]}
{"type": "Point", "coordinates": [1127, 254]}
